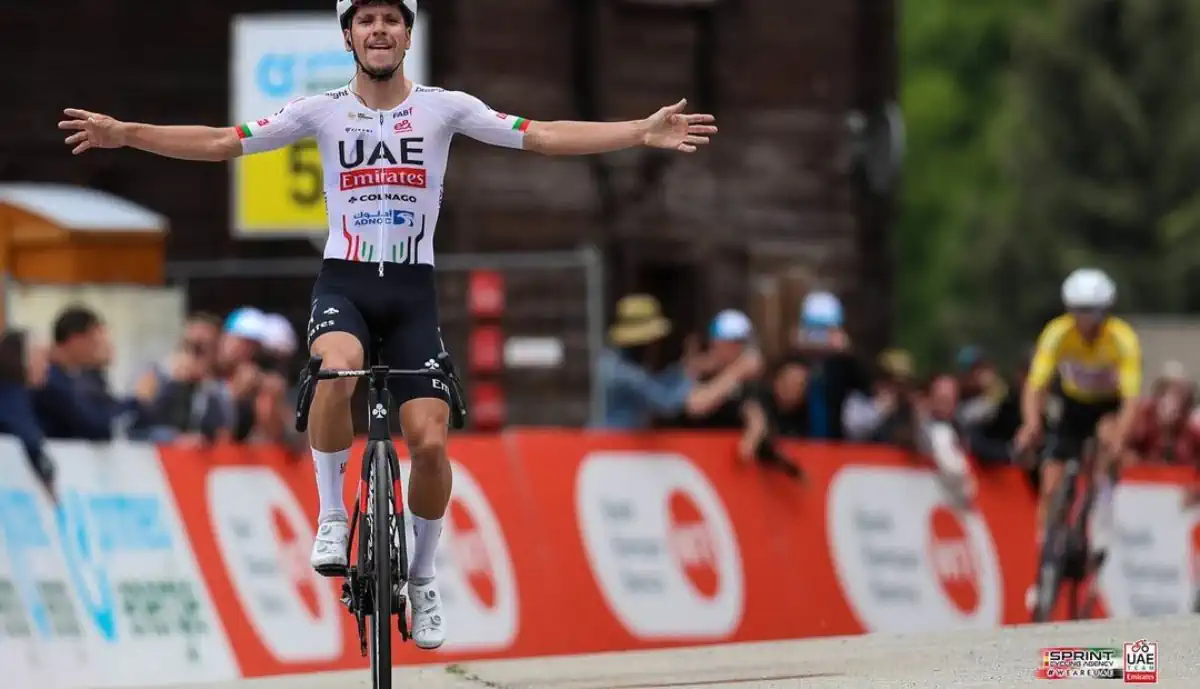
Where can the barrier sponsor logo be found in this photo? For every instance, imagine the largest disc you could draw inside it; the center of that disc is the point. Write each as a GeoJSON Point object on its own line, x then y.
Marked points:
{"type": "Point", "coordinates": [672, 541]}
{"type": "Point", "coordinates": [693, 544]}
{"type": "Point", "coordinates": [265, 540]}
{"type": "Point", "coordinates": [905, 561]}
{"type": "Point", "coordinates": [98, 531]}
{"type": "Point", "coordinates": [1149, 568]}
{"type": "Point", "coordinates": [107, 571]}
{"type": "Point", "coordinates": [661, 545]}
{"type": "Point", "coordinates": [955, 562]}
{"type": "Point", "coordinates": [37, 579]}
{"type": "Point", "coordinates": [475, 570]}
{"type": "Point", "coordinates": [1195, 548]}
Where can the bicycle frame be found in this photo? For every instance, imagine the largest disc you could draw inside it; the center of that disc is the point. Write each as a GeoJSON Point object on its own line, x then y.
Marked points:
{"type": "Point", "coordinates": [372, 589]}
{"type": "Point", "coordinates": [1065, 552]}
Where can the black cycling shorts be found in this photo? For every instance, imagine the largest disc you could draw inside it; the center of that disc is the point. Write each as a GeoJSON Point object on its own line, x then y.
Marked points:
{"type": "Point", "coordinates": [1075, 422]}
{"type": "Point", "coordinates": [394, 317]}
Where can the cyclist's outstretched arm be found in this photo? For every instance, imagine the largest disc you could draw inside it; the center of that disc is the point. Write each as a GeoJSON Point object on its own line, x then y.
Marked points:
{"type": "Point", "coordinates": [1033, 395]}
{"type": "Point", "coordinates": [1129, 378]}
{"type": "Point", "coordinates": [186, 142]}
{"type": "Point", "coordinates": [189, 142]}
{"type": "Point", "coordinates": [669, 128]}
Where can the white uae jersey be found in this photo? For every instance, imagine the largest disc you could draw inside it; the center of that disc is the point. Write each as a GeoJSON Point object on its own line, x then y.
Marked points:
{"type": "Point", "coordinates": [383, 169]}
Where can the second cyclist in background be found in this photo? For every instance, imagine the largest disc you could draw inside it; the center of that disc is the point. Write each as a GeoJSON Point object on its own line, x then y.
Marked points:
{"type": "Point", "coordinates": [1098, 359]}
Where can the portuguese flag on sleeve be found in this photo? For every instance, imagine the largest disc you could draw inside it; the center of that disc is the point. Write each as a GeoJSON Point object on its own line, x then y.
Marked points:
{"type": "Point", "coordinates": [243, 131]}
{"type": "Point", "coordinates": [520, 124]}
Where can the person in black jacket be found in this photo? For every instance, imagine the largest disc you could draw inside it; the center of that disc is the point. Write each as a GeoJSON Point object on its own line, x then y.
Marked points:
{"type": "Point", "coordinates": [990, 412]}
{"type": "Point", "coordinates": [23, 368]}
{"type": "Point", "coordinates": [75, 402]}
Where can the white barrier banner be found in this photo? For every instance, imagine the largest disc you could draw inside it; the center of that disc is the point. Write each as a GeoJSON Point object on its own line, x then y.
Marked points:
{"type": "Point", "coordinates": [100, 588]}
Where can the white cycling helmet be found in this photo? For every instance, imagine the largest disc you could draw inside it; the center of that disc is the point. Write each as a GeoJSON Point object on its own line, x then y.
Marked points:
{"type": "Point", "coordinates": [344, 7]}
{"type": "Point", "coordinates": [1088, 288]}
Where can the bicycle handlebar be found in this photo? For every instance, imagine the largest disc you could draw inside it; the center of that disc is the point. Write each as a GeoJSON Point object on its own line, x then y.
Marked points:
{"type": "Point", "coordinates": [442, 370]}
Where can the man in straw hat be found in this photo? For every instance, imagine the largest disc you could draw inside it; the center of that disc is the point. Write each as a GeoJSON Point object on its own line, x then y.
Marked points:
{"type": "Point", "coordinates": [633, 394]}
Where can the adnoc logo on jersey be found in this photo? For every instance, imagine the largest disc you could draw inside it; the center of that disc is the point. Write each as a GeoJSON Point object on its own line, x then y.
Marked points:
{"type": "Point", "coordinates": [402, 218]}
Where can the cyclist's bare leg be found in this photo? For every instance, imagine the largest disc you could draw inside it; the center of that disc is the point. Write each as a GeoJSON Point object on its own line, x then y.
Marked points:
{"type": "Point", "coordinates": [330, 433]}
{"type": "Point", "coordinates": [425, 422]}
{"type": "Point", "coordinates": [426, 429]}
{"type": "Point", "coordinates": [330, 426]}
{"type": "Point", "coordinates": [1106, 461]}
{"type": "Point", "coordinates": [1051, 473]}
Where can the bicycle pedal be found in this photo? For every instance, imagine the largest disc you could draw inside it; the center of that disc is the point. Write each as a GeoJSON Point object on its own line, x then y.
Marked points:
{"type": "Point", "coordinates": [332, 571]}
{"type": "Point", "coordinates": [399, 605]}
{"type": "Point", "coordinates": [402, 626]}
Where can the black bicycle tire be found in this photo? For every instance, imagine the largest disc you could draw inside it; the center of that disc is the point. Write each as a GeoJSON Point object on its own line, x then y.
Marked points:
{"type": "Point", "coordinates": [381, 618]}
{"type": "Point", "coordinates": [400, 542]}
{"type": "Point", "coordinates": [1050, 575]}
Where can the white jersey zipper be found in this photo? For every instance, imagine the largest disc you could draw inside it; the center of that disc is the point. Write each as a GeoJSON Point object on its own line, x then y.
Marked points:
{"type": "Point", "coordinates": [382, 200]}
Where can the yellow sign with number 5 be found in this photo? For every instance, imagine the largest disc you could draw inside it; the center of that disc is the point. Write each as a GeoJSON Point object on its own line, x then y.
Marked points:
{"type": "Point", "coordinates": [281, 191]}
{"type": "Point", "coordinates": [276, 59]}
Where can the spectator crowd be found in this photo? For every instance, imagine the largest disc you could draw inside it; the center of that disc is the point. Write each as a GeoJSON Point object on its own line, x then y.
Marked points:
{"type": "Point", "coordinates": [226, 381]}
{"type": "Point", "coordinates": [229, 381]}
{"type": "Point", "coordinates": [823, 389]}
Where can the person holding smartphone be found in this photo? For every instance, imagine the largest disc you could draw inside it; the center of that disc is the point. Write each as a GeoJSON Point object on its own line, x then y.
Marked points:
{"type": "Point", "coordinates": [731, 347]}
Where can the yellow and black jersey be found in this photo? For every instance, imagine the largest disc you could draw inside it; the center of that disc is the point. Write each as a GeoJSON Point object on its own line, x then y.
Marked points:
{"type": "Point", "coordinates": [1105, 368]}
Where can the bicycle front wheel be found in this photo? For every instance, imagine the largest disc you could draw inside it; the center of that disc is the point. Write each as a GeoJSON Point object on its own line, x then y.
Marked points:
{"type": "Point", "coordinates": [1054, 548]}
{"type": "Point", "coordinates": [381, 574]}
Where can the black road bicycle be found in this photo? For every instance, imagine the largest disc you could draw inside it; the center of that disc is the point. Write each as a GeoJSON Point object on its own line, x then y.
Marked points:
{"type": "Point", "coordinates": [1065, 556]}
{"type": "Point", "coordinates": [374, 586]}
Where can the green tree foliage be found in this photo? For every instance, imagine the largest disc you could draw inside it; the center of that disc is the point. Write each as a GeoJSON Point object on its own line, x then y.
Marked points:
{"type": "Point", "coordinates": [954, 58]}
{"type": "Point", "coordinates": [1104, 154]}
{"type": "Point", "coordinates": [1069, 135]}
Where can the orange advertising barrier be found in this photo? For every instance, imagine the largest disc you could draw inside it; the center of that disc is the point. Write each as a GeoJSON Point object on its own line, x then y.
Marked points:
{"type": "Point", "coordinates": [565, 542]}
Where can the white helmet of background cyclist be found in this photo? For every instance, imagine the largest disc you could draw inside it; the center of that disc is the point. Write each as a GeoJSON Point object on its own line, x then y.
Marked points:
{"type": "Point", "coordinates": [344, 7]}
{"type": "Point", "coordinates": [1089, 288]}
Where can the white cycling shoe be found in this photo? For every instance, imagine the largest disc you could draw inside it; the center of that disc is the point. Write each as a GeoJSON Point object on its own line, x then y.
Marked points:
{"type": "Point", "coordinates": [329, 549]}
{"type": "Point", "coordinates": [428, 625]}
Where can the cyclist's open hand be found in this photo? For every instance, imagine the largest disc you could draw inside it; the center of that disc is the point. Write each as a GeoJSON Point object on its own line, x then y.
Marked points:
{"type": "Point", "coordinates": [92, 130]}
{"type": "Point", "coordinates": [670, 128]}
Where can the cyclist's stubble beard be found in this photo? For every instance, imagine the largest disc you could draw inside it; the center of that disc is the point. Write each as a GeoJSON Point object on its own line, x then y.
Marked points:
{"type": "Point", "coordinates": [379, 75]}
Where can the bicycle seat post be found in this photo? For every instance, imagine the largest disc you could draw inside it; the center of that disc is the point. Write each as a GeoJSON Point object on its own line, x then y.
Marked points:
{"type": "Point", "coordinates": [379, 403]}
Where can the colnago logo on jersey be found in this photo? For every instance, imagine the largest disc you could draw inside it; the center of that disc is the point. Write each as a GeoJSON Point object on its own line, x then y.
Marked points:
{"type": "Point", "coordinates": [406, 198]}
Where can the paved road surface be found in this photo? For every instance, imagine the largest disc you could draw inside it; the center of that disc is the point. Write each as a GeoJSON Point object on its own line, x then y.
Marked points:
{"type": "Point", "coordinates": [992, 659]}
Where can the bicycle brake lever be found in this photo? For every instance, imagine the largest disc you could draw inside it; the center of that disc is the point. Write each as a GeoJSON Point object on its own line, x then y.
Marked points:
{"type": "Point", "coordinates": [458, 409]}
{"type": "Point", "coordinates": [446, 364]}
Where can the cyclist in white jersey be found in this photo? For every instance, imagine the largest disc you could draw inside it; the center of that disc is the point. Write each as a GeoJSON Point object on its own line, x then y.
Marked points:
{"type": "Point", "coordinates": [384, 142]}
